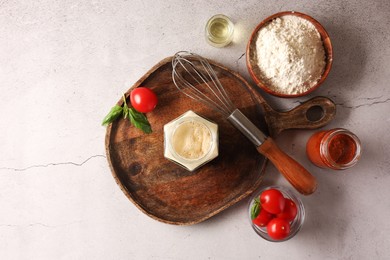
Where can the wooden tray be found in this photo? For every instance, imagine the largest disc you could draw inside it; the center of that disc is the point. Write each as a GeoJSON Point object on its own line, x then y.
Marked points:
{"type": "Point", "coordinates": [171, 194]}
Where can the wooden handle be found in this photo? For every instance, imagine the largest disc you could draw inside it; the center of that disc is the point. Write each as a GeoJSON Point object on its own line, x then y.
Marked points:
{"type": "Point", "coordinates": [314, 113]}
{"type": "Point", "coordinates": [298, 176]}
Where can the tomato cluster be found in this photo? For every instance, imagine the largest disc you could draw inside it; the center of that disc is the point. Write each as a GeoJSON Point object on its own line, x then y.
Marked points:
{"type": "Point", "coordinates": [275, 212]}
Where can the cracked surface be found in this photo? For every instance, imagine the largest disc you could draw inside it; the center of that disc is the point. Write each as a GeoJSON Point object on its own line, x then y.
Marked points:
{"type": "Point", "coordinates": [53, 164]}
{"type": "Point", "coordinates": [65, 63]}
{"type": "Point", "coordinates": [371, 103]}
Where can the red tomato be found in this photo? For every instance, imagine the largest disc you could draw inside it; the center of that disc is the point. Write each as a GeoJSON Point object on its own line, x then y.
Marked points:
{"type": "Point", "coordinates": [278, 228]}
{"type": "Point", "coordinates": [143, 99]}
{"type": "Point", "coordinates": [290, 211]}
{"type": "Point", "coordinates": [272, 201]}
{"type": "Point", "coordinates": [263, 218]}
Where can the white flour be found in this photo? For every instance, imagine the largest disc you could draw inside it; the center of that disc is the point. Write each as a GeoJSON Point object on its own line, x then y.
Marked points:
{"type": "Point", "coordinates": [290, 55]}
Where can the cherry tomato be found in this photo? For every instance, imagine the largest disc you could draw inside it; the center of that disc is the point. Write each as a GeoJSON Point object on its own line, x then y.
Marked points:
{"type": "Point", "coordinates": [143, 99]}
{"type": "Point", "coordinates": [263, 218]}
{"type": "Point", "coordinates": [278, 228]}
{"type": "Point", "coordinates": [272, 201]}
{"type": "Point", "coordinates": [290, 211]}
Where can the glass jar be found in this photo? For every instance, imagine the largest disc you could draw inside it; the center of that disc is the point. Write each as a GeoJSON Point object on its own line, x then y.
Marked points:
{"type": "Point", "coordinates": [190, 140]}
{"type": "Point", "coordinates": [219, 30]}
{"type": "Point", "coordinates": [335, 149]}
{"type": "Point", "coordinates": [295, 225]}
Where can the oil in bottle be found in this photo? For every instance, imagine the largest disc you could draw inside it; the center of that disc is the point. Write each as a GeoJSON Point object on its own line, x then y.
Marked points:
{"type": "Point", "coordinates": [219, 30]}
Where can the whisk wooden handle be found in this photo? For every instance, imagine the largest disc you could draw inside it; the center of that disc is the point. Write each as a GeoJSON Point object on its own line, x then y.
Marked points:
{"type": "Point", "coordinates": [298, 176]}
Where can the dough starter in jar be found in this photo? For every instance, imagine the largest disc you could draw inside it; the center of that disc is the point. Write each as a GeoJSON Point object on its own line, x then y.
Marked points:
{"type": "Point", "coordinates": [191, 140]}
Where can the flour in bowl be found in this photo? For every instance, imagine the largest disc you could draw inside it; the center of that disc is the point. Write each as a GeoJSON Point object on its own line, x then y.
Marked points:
{"type": "Point", "coordinates": [290, 55]}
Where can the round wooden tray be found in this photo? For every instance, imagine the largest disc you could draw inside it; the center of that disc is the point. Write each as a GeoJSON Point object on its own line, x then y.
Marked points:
{"type": "Point", "coordinates": [171, 194]}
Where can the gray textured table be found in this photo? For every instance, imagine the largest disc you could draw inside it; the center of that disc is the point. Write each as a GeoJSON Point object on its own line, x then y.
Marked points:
{"type": "Point", "coordinates": [65, 63]}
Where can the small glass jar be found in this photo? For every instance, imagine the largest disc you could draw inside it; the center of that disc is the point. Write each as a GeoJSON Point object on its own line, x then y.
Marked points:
{"type": "Point", "coordinates": [335, 149]}
{"type": "Point", "coordinates": [219, 31]}
{"type": "Point", "coordinates": [190, 141]}
{"type": "Point", "coordinates": [295, 225]}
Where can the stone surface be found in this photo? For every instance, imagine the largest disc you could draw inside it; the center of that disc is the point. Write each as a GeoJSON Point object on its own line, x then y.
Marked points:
{"type": "Point", "coordinates": [65, 63]}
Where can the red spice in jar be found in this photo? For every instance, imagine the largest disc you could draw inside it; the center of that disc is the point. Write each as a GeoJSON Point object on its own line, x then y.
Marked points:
{"type": "Point", "coordinates": [342, 148]}
{"type": "Point", "coordinates": [335, 149]}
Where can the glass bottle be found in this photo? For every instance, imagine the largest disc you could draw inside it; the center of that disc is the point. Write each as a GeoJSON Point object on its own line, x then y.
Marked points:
{"type": "Point", "coordinates": [180, 129]}
{"type": "Point", "coordinates": [219, 30]}
{"type": "Point", "coordinates": [335, 149]}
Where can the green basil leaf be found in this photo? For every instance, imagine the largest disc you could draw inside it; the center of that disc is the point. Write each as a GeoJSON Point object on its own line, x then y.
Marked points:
{"type": "Point", "coordinates": [114, 113]}
{"type": "Point", "coordinates": [139, 120]}
{"type": "Point", "coordinates": [255, 209]}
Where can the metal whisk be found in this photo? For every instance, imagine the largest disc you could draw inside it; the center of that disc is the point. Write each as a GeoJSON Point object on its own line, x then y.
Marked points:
{"type": "Point", "coordinates": [199, 72]}
{"type": "Point", "coordinates": [194, 76]}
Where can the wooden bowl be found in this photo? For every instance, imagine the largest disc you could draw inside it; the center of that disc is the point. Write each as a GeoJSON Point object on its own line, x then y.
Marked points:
{"type": "Point", "coordinates": [251, 54]}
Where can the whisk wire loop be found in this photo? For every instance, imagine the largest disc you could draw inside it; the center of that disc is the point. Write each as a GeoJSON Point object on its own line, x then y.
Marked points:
{"type": "Point", "coordinates": [194, 76]}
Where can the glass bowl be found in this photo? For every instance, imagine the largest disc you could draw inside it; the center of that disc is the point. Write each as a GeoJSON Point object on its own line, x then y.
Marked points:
{"type": "Point", "coordinates": [295, 225]}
